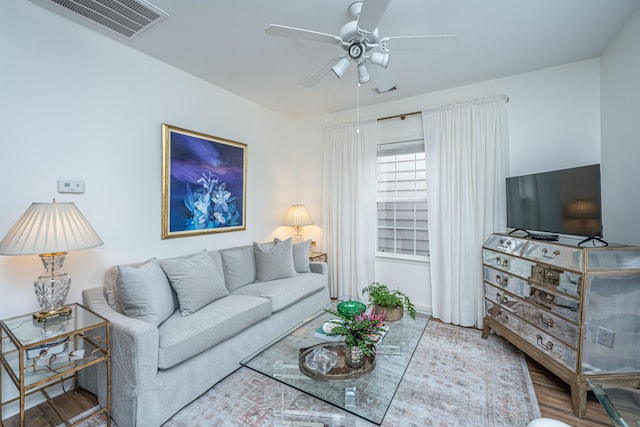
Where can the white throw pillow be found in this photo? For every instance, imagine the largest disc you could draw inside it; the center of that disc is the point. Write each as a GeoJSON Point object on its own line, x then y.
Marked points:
{"type": "Point", "coordinates": [145, 293]}
{"type": "Point", "coordinates": [300, 255]}
{"type": "Point", "coordinates": [274, 260]}
{"type": "Point", "coordinates": [197, 281]}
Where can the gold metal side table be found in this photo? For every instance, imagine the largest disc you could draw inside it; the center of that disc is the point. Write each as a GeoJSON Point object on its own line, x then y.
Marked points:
{"type": "Point", "coordinates": [38, 356]}
{"type": "Point", "coordinates": [318, 256]}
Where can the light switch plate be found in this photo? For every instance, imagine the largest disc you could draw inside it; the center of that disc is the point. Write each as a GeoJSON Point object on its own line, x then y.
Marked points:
{"type": "Point", "coordinates": [67, 186]}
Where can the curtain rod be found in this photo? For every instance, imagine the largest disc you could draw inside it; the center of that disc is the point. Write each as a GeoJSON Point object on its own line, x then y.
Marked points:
{"type": "Point", "coordinates": [400, 116]}
{"type": "Point", "coordinates": [413, 113]}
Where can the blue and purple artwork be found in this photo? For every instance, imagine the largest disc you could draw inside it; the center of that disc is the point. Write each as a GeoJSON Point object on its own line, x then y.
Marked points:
{"type": "Point", "coordinates": [207, 188]}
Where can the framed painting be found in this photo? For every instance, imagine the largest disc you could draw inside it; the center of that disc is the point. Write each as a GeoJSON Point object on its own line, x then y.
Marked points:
{"type": "Point", "coordinates": [204, 183]}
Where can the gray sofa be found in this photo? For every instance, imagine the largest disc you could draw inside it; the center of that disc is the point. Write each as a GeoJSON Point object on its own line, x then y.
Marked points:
{"type": "Point", "coordinates": [180, 325]}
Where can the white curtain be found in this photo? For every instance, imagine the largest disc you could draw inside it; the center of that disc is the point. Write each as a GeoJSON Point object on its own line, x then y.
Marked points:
{"type": "Point", "coordinates": [348, 206]}
{"type": "Point", "coordinates": [466, 147]}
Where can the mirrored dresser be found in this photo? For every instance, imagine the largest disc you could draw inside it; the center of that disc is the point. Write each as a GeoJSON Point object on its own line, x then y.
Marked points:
{"type": "Point", "coordinates": [574, 309]}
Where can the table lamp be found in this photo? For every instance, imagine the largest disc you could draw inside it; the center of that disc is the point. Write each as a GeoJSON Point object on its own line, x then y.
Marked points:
{"type": "Point", "coordinates": [50, 230]}
{"type": "Point", "coordinates": [296, 217]}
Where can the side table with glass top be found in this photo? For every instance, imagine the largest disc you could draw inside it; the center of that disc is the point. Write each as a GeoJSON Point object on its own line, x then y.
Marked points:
{"type": "Point", "coordinates": [318, 256]}
{"type": "Point", "coordinates": [40, 355]}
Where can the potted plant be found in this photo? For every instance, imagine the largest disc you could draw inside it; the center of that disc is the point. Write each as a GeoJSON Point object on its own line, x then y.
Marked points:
{"type": "Point", "coordinates": [390, 302]}
{"type": "Point", "coordinates": [359, 333]}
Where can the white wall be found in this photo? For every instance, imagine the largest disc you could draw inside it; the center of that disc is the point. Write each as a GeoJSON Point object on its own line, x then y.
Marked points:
{"type": "Point", "coordinates": [554, 122]}
{"type": "Point", "coordinates": [621, 135]}
{"type": "Point", "coordinates": [78, 105]}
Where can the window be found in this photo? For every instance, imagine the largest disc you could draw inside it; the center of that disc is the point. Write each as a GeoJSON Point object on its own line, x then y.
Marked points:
{"type": "Point", "coordinates": [401, 197]}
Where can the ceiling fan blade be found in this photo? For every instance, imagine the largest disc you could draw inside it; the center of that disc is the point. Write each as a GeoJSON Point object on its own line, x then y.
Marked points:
{"type": "Point", "coordinates": [319, 75]}
{"type": "Point", "coordinates": [300, 33]}
{"type": "Point", "coordinates": [382, 80]}
{"type": "Point", "coordinates": [432, 43]}
{"type": "Point", "coordinates": [371, 14]}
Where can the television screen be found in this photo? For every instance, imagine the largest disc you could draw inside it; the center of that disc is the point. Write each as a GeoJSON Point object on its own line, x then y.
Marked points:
{"type": "Point", "coordinates": [564, 201]}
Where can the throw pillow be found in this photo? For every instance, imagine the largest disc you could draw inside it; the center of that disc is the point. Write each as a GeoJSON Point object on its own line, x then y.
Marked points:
{"type": "Point", "coordinates": [144, 292]}
{"type": "Point", "coordinates": [196, 280]}
{"type": "Point", "coordinates": [239, 266]}
{"type": "Point", "coordinates": [274, 260]}
{"type": "Point", "coordinates": [300, 255]}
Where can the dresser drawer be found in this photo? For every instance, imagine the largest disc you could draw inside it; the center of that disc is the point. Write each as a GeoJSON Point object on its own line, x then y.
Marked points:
{"type": "Point", "coordinates": [555, 302]}
{"type": "Point", "coordinates": [561, 329]}
{"type": "Point", "coordinates": [506, 244]}
{"type": "Point", "coordinates": [500, 297]}
{"type": "Point", "coordinates": [507, 281]}
{"type": "Point", "coordinates": [494, 310]}
{"type": "Point", "coordinates": [561, 256]}
{"type": "Point", "coordinates": [538, 339]}
{"type": "Point", "coordinates": [507, 263]}
{"type": "Point", "coordinates": [556, 279]}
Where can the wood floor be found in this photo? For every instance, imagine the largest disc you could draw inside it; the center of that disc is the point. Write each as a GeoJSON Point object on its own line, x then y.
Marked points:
{"type": "Point", "coordinates": [43, 415]}
{"type": "Point", "coordinates": [554, 398]}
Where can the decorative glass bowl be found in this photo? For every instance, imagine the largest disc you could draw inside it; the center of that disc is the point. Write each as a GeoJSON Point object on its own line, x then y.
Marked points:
{"type": "Point", "coordinates": [350, 308]}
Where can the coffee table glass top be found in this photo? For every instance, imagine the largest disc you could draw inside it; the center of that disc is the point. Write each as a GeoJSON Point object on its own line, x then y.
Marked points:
{"type": "Point", "coordinates": [374, 391]}
{"type": "Point", "coordinates": [622, 403]}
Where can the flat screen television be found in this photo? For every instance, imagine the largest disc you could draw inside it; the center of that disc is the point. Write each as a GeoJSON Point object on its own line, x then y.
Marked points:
{"type": "Point", "coordinates": [563, 201]}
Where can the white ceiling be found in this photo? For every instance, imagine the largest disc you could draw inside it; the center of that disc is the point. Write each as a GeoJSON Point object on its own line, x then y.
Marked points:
{"type": "Point", "coordinates": [224, 43]}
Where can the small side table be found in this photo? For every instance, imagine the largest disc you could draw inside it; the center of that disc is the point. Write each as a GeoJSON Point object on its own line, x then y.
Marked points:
{"type": "Point", "coordinates": [318, 256]}
{"type": "Point", "coordinates": [37, 355]}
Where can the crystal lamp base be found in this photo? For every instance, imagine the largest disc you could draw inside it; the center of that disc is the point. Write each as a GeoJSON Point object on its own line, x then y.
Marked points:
{"type": "Point", "coordinates": [52, 287]}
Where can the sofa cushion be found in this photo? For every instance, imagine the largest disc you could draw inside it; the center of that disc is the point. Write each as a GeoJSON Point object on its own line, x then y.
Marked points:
{"type": "Point", "coordinates": [196, 279]}
{"type": "Point", "coordinates": [300, 255]}
{"type": "Point", "coordinates": [284, 292]}
{"type": "Point", "coordinates": [110, 288]}
{"type": "Point", "coordinates": [145, 293]}
{"type": "Point", "coordinates": [239, 266]}
{"type": "Point", "coordinates": [274, 260]}
{"type": "Point", "coordinates": [181, 338]}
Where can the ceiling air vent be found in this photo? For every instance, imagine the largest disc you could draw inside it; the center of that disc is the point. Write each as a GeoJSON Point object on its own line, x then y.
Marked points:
{"type": "Point", "coordinates": [128, 18]}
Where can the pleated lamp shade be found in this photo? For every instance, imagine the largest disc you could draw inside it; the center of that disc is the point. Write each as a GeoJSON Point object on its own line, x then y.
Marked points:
{"type": "Point", "coordinates": [47, 228]}
{"type": "Point", "coordinates": [50, 230]}
{"type": "Point", "coordinates": [297, 215]}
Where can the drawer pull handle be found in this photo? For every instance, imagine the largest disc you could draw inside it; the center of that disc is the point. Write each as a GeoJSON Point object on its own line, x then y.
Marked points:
{"type": "Point", "coordinates": [502, 262]}
{"type": "Point", "coordinates": [546, 322]}
{"type": "Point", "coordinates": [503, 317]}
{"type": "Point", "coordinates": [502, 281]}
{"type": "Point", "coordinates": [501, 299]}
{"type": "Point", "coordinates": [543, 296]}
{"type": "Point", "coordinates": [541, 343]}
{"type": "Point", "coordinates": [504, 244]}
{"type": "Point", "coordinates": [552, 255]}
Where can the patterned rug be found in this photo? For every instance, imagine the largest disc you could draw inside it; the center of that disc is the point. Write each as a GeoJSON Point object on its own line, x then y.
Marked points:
{"type": "Point", "coordinates": [454, 379]}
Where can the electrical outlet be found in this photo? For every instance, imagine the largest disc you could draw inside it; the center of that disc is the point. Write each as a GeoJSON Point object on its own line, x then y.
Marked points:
{"type": "Point", "coordinates": [605, 336]}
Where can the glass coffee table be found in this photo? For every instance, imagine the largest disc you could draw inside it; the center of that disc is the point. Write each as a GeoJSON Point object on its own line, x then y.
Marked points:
{"type": "Point", "coordinates": [621, 402]}
{"type": "Point", "coordinates": [368, 396]}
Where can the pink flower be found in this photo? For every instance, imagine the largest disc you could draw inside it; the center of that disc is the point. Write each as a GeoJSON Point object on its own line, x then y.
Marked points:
{"type": "Point", "coordinates": [378, 318]}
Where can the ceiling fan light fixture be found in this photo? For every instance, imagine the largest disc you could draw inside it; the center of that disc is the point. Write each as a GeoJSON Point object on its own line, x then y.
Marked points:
{"type": "Point", "coordinates": [340, 67]}
{"type": "Point", "coordinates": [380, 59]}
{"type": "Point", "coordinates": [363, 74]}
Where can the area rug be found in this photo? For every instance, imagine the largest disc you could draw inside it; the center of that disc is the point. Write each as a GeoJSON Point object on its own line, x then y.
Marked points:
{"type": "Point", "coordinates": [455, 378]}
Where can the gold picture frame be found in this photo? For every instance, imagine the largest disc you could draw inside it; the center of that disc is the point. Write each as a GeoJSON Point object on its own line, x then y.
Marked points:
{"type": "Point", "coordinates": [204, 183]}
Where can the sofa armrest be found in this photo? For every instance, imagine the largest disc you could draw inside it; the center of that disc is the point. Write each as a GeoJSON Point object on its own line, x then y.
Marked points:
{"type": "Point", "coordinates": [319, 267]}
{"type": "Point", "coordinates": [134, 343]}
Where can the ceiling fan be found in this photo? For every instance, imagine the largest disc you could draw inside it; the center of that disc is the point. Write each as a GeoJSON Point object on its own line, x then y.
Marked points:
{"type": "Point", "coordinates": [361, 42]}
